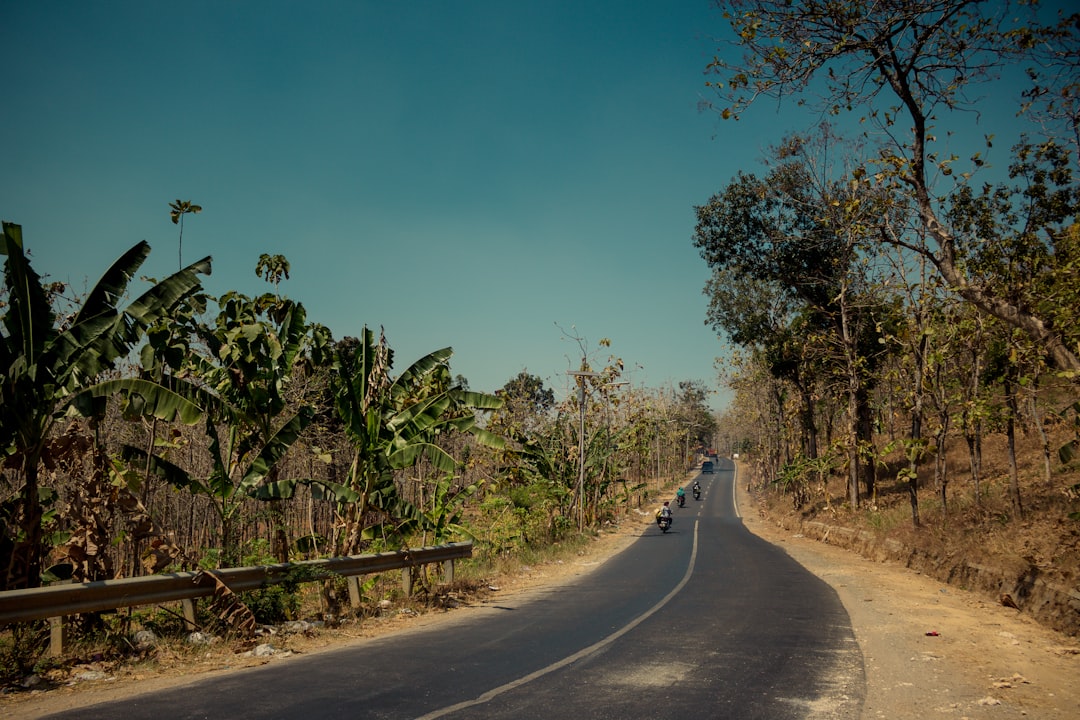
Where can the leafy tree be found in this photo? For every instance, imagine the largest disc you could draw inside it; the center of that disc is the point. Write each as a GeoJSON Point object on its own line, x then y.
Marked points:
{"type": "Point", "coordinates": [273, 269]}
{"type": "Point", "coordinates": [526, 405]}
{"type": "Point", "coordinates": [251, 352]}
{"type": "Point", "coordinates": [177, 211]}
{"type": "Point", "coordinates": [694, 409]}
{"type": "Point", "coordinates": [48, 365]}
{"type": "Point", "coordinates": [917, 61]}
{"type": "Point", "coordinates": [798, 237]}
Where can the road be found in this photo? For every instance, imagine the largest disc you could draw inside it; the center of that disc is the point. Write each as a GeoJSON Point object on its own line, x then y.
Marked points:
{"type": "Point", "coordinates": [706, 621]}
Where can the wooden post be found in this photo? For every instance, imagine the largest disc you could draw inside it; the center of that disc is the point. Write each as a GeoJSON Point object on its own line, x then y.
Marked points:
{"type": "Point", "coordinates": [448, 571]}
{"type": "Point", "coordinates": [355, 597]}
{"type": "Point", "coordinates": [56, 636]}
{"type": "Point", "coordinates": [189, 614]}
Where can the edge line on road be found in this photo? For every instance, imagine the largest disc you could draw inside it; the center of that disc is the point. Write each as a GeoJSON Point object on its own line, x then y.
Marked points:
{"type": "Point", "coordinates": [580, 654]}
{"type": "Point", "coordinates": [735, 488]}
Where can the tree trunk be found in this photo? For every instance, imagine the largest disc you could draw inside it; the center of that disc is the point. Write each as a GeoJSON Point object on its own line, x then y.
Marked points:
{"type": "Point", "coordinates": [809, 424]}
{"type": "Point", "coordinates": [941, 469]}
{"type": "Point", "coordinates": [1044, 439]}
{"type": "Point", "coordinates": [24, 563]}
{"type": "Point", "coordinates": [1010, 431]}
{"type": "Point", "coordinates": [973, 426]}
{"type": "Point", "coordinates": [975, 463]}
{"type": "Point", "coordinates": [915, 452]}
{"type": "Point", "coordinates": [853, 388]}
{"type": "Point", "coordinates": [865, 440]}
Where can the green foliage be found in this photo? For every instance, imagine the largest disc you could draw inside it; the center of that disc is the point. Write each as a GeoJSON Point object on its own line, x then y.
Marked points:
{"type": "Point", "coordinates": [917, 65]}
{"type": "Point", "coordinates": [393, 423]}
{"type": "Point", "coordinates": [795, 477]}
{"type": "Point", "coordinates": [49, 365]}
{"type": "Point", "coordinates": [272, 604]}
{"type": "Point", "coordinates": [241, 380]}
{"type": "Point", "coordinates": [526, 406]}
{"type": "Point", "coordinates": [442, 516]}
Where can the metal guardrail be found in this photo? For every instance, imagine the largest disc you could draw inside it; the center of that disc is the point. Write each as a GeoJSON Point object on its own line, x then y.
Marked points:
{"type": "Point", "coordinates": [59, 600]}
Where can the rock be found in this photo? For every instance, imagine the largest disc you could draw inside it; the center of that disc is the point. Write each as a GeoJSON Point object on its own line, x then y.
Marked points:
{"type": "Point", "coordinates": [144, 639]}
{"type": "Point", "coordinates": [200, 638]}
{"type": "Point", "coordinates": [88, 675]}
{"type": "Point", "coordinates": [30, 681]}
{"type": "Point", "coordinates": [264, 650]}
{"type": "Point", "coordinates": [988, 701]}
{"type": "Point", "coordinates": [297, 626]}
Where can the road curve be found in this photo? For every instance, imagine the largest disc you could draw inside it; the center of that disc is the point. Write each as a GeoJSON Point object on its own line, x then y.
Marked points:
{"type": "Point", "coordinates": [706, 621]}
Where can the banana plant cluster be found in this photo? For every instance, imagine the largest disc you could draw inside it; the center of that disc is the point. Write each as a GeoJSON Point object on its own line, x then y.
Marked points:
{"type": "Point", "coordinates": [231, 374]}
{"type": "Point", "coordinates": [392, 423]}
{"type": "Point", "coordinates": [239, 378]}
{"type": "Point", "coordinates": [49, 366]}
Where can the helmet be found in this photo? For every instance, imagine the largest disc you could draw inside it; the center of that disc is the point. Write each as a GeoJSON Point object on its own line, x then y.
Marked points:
{"type": "Point", "coordinates": [665, 502]}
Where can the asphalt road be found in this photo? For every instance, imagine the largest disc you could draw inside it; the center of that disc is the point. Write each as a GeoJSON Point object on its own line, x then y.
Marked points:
{"type": "Point", "coordinates": [706, 621]}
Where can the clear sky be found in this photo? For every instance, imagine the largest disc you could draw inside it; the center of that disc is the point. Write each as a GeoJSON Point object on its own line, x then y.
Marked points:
{"type": "Point", "coordinates": [472, 174]}
{"type": "Point", "coordinates": [489, 175]}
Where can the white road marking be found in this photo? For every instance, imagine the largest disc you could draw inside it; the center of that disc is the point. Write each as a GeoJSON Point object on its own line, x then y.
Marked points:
{"type": "Point", "coordinates": [583, 653]}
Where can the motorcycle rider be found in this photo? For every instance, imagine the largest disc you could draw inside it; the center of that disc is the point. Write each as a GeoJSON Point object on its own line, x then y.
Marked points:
{"type": "Point", "coordinates": [697, 490]}
{"type": "Point", "coordinates": [663, 512]}
{"type": "Point", "coordinates": [681, 494]}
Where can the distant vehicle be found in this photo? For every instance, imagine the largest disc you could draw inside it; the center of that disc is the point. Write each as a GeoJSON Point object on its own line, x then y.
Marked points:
{"type": "Point", "coordinates": [707, 467]}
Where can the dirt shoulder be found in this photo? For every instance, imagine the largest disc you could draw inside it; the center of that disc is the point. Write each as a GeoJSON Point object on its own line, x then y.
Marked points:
{"type": "Point", "coordinates": [985, 660]}
{"type": "Point", "coordinates": [173, 666]}
{"type": "Point", "coordinates": [979, 660]}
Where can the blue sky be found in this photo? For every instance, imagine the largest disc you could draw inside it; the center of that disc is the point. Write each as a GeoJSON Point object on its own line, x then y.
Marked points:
{"type": "Point", "coordinates": [490, 176]}
{"type": "Point", "coordinates": [472, 174]}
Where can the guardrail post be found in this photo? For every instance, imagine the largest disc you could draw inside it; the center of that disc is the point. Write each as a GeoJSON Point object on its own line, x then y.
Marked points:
{"type": "Point", "coordinates": [407, 581]}
{"type": "Point", "coordinates": [57, 633]}
{"type": "Point", "coordinates": [448, 571]}
{"type": "Point", "coordinates": [188, 607]}
{"type": "Point", "coordinates": [355, 597]}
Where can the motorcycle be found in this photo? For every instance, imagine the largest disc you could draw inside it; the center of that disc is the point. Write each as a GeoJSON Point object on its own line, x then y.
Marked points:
{"type": "Point", "coordinates": [697, 493]}
{"type": "Point", "coordinates": [664, 523]}
{"type": "Point", "coordinates": [682, 501]}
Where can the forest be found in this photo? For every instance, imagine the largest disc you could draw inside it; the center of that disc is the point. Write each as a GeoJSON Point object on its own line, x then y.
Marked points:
{"type": "Point", "coordinates": [901, 292]}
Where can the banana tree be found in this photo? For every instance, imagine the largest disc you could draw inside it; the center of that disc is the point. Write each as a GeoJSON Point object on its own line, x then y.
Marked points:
{"type": "Point", "coordinates": [243, 379]}
{"type": "Point", "coordinates": [47, 363]}
{"type": "Point", "coordinates": [543, 475]}
{"type": "Point", "coordinates": [392, 423]}
{"type": "Point", "coordinates": [238, 469]}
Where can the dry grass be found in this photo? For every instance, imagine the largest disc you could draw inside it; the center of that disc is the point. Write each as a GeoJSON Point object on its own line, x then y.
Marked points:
{"type": "Point", "coordinates": [983, 529]}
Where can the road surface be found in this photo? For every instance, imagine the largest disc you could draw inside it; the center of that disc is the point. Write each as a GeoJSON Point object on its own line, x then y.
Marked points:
{"type": "Point", "coordinates": [706, 621]}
